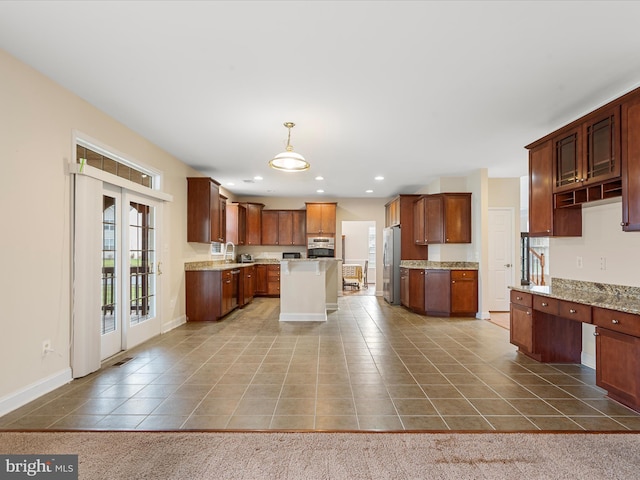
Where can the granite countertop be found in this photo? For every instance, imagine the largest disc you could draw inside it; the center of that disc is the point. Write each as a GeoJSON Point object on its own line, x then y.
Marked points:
{"type": "Point", "coordinates": [433, 265]}
{"type": "Point", "coordinates": [218, 265]}
{"type": "Point", "coordinates": [614, 297]}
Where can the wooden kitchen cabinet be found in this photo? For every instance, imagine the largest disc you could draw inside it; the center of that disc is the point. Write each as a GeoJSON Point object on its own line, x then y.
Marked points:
{"type": "Point", "coordinates": [254, 223]}
{"type": "Point", "coordinates": [464, 293]}
{"type": "Point", "coordinates": [261, 280]}
{"type": "Point", "coordinates": [284, 227]}
{"type": "Point", "coordinates": [400, 212]}
{"type": "Point", "coordinates": [273, 280]}
{"type": "Point", "coordinates": [269, 234]}
{"type": "Point", "coordinates": [210, 294]}
{"type": "Point", "coordinates": [404, 287]}
{"type": "Point", "coordinates": [617, 365]}
{"type": "Point", "coordinates": [588, 151]}
{"type": "Point", "coordinates": [417, 290]}
{"type": "Point", "coordinates": [544, 219]}
{"type": "Point", "coordinates": [236, 223]}
{"type": "Point", "coordinates": [437, 292]}
{"type": "Point", "coordinates": [446, 219]}
{"type": "Point", "coordinates": [205, 212]}
{"type": "Point", "coordinates": [618, 355]}
{"type": "Point", "coordinates": [247, 285]}
{"type": "Point", "coordinates": [630, 120]}
{"type": "Point", "coordinates": [321, 218]}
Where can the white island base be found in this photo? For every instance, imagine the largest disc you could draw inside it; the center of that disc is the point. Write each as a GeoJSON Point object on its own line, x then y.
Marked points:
{"type": "Point", "coordinates": [307, 289]}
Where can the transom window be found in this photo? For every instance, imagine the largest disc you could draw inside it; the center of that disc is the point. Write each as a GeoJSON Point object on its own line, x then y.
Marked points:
{"type": "Point", "coordinates": [113, 166]}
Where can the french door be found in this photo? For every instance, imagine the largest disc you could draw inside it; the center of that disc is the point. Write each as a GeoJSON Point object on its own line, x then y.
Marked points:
{"type": "Point", "coordinates": [129, 293]}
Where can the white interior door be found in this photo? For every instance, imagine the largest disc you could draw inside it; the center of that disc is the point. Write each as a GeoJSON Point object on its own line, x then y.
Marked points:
{"type": "Point", "coordinates": [501, 258]}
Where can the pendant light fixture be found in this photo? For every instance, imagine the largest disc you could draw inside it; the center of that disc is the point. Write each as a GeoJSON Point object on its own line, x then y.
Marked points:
{"type": "Point", "coordinates": [289, 161]}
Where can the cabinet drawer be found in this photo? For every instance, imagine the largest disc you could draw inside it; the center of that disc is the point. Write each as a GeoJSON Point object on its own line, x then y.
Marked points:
{"type": "Point", "coordinates": [545, 304]}
{"type": "Point", "coordinates": [574, 311]}
{"type": "Point", "coordinates": [464, 274]}
{"type": "Point", "coordinates": [521, 298]}
{"type": "Point", "coordinates": [617, 321]}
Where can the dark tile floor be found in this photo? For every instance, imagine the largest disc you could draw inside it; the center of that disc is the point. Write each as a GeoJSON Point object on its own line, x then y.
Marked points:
{"type": "Point", "coordinates": [371, 366]}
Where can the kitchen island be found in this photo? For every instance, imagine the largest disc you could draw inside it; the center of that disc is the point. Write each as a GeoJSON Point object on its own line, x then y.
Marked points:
{"type": "Point", "coordinates": [308, 288]}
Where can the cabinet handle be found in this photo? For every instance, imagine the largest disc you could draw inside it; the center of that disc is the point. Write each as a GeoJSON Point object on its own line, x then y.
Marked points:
{"type": "Point", "coordinates": [615, 322]}
{"type": "Point", "coordinates": [453, 281]}
{"type": "Point", "coordinates": [572, 310]}
{"type": "Point", "coordinates": [528, 312]}
{"type": "Point", "coordinates": [595, 334]}
{"type": "Point", "coordinates": [544, 304]}
{"type": "Point", "coordinates": [518, 298]}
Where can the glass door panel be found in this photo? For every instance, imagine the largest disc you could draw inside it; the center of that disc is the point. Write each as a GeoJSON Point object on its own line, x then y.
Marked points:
{"type": "Point", "coordinates": [110, 315]}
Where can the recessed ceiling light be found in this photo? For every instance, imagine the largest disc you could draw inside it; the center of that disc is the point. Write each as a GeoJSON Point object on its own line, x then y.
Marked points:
{"type": "Point", "coordinates": [231, 184]}
{"type": "Point", "coordinates": [368, 191]}
{"type": "Point", "coordinates": [320, 191]}
{"type": "Point", "coordinates": [319, 177]}
{"type": "Point", "coordinates": [257, 177]}
{"type": "Point", "coordinates": [379, 177]}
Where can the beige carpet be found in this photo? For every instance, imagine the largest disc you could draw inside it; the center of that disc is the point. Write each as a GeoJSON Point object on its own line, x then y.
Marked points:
{"type": "Point", "coordinates": [239, 455]}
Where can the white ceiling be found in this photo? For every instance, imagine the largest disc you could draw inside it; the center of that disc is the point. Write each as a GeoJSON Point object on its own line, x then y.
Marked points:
{"type": "Point", "coordinates": [411, 91]}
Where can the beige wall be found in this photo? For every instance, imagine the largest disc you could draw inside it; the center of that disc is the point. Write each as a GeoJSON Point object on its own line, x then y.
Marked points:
{"type": "Point", "coordinates": [36, 124]}
{"type": "Point", "coordinates": [36, 145]}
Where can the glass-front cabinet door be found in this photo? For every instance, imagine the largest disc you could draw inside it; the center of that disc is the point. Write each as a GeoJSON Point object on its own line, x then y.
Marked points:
{"type": "Point", "coordinates": [588, 153]}
{"type": "Point", "coordinates": [567, 154]}
{"type": "Point", "coordinates": [602, 159]}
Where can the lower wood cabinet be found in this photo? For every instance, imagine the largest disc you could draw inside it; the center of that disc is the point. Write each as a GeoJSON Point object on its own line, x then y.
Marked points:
{"type": "Point", "coordinates": [417, 290]}
{"type": "Point", "coordinates": [618, 355]}
{"type": "Point", "coordinates": [464, 293]}
{"type": "Point", "coordinates": [247, 285]}
{"type": "Point", "coordinates": [550, 330]}
{"type": "Point", "coordinates": [444, 293]}
{"type": "Point", "coordinates": [404, 287]}
{"type": "Point", "coordinates": [437, 292]}
{"type": "Point", "coordinates": [211, 294]}
{"type": "Point", "coordinates": [267, 280]}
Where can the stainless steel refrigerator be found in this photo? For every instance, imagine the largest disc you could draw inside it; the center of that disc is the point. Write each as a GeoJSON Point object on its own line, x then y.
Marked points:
{"type": "Point", "coordinates": [391, 265]}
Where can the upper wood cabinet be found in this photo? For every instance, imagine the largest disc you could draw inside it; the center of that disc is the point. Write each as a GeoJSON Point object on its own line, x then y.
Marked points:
{"type": "Point", "coordinates": [321, 218]}
{"type": "Point", "coordinates": [205, 211]}
{"type": "Point", "coordinates": [401, 212]}
{"type": "Point", "coordinates": [283, 227]}
{"type": "Point", "coordinates": [446, 218]}
{"type": "Point", "coordinates": [392, 213]}
{"type": "Point", "coordinates": [588, 151]}
{"type": "Point", "coordinates": [254, 223]}
{"type": "Point", "coordinates": [236, 223]}
{"type": "Point", "coordinates": [631, 166]}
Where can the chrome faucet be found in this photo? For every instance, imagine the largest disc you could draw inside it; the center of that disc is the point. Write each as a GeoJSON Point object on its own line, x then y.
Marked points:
{"type": "Point", "coordinates": [226, 249]}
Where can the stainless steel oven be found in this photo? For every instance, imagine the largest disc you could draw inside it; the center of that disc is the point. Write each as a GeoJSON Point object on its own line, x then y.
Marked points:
{"type": "Point", "coordinates": [318, 247]}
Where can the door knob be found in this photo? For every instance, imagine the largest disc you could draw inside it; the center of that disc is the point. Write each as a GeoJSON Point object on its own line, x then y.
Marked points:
{"type": "Point", "coordinates": [508, 265]}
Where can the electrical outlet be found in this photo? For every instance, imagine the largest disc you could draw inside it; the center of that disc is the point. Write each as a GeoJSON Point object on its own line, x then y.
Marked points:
{"type": "Point", "coordinates": [603, 263]}
{"type": "Point", "coordinates": [579, 262]}
{"type": "Point", "coordinates": [46, 347]}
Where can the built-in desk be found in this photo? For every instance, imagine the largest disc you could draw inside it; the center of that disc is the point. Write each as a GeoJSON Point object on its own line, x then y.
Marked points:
{"type": "Point", "coordinates": [546, 325]}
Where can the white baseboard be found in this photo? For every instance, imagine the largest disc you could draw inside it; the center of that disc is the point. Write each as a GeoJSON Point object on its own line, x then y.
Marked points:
{"type": "Point", "coordinates": [176, 322]}
{"type": "Point", "coordinates": [303, 317]}
{"type": "Point", "coordinates": [21, 397]}
{"type": "Point", "coordinates": [483, 315]}
{"type": "Point", "coordinates": [332, 306]}
{"type": "Point", "coordinates": [588, 360]}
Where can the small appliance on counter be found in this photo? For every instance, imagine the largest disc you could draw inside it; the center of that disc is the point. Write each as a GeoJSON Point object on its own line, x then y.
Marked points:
{"type": "Point", "coordinates": [245, 258]}
{"type": "Point", "coordinates": [286, 255]}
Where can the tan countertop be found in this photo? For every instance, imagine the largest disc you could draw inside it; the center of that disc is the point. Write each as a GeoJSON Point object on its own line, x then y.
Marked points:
{"type": "Point", "coordinates": [218, 265]}
{"type": "Point", "coordinates": [621, 298]}
{"type": "Point", "coordinates": [433, 265]}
